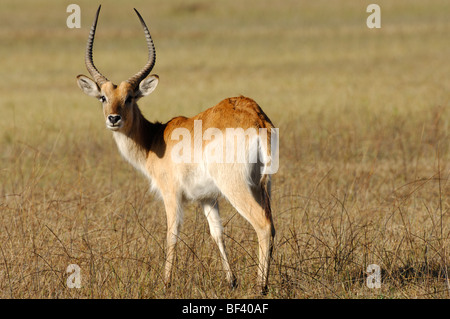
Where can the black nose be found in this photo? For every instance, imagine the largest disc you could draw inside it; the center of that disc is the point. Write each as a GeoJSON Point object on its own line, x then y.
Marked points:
{"type": "Point", "coordinates": [113, 119]}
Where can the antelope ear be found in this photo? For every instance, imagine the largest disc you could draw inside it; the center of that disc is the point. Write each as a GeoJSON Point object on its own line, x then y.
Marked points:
{"type": "Point", "coordinates": [88, 86]}
{"type": "Point", "coordinates": [147, 85]}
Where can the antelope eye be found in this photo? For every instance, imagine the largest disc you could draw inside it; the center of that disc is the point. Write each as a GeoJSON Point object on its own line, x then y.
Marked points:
{"type": "Point", "coordinates": [128, 99]}
{"type": "Point", "coordinates": [102, 99]}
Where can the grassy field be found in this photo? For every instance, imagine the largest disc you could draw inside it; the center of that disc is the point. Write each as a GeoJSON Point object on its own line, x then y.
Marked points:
{"type": "Point", "coordinates": [364, 128]}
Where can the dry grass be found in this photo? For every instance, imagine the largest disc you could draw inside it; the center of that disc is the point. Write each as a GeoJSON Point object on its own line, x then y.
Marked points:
{"type": "Point", "coordinates": [364, 160]}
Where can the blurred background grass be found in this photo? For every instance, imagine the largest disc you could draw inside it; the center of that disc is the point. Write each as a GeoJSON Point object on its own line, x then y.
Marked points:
{"type": "Point", "coordinates": [364, 133]}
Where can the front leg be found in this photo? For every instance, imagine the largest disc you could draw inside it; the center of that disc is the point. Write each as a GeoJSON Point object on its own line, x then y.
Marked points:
{"type": "Point", "coordinates": [174, 214]}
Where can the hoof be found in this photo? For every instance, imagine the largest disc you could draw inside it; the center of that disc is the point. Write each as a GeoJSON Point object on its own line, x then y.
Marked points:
{"type": "Point", "coordinates": [233, 283]}
{"type": "Point", "coordinates": [264, 290]}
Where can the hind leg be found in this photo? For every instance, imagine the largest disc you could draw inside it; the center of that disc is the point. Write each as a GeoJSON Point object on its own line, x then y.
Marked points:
{"type": "Point", "coordinates": [254, 205]}
{"type": "Point", "coordinates": [211, 210]}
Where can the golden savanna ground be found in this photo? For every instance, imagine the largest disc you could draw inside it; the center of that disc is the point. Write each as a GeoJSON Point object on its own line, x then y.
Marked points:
{"type": "Point", "coordinates": [364, 128]}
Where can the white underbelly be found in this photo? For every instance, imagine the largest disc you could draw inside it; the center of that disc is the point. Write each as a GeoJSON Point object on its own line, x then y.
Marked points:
{"type": "Point", "coordinates": [198, 185]}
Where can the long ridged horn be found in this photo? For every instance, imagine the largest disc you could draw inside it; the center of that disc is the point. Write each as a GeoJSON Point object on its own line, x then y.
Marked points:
{"type": "Point", "coordinates": [138, 77]}
{"type": "Point", "coordinates": [98, 77]}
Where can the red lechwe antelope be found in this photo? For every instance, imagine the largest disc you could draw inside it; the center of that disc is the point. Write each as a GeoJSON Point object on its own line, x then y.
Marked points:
{"type": "Point", "coordinates": [149, 147]}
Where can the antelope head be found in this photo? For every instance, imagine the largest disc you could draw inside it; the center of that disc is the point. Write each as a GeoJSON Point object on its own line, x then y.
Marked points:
{"type": "Point", "coordinates": [119, 101]}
